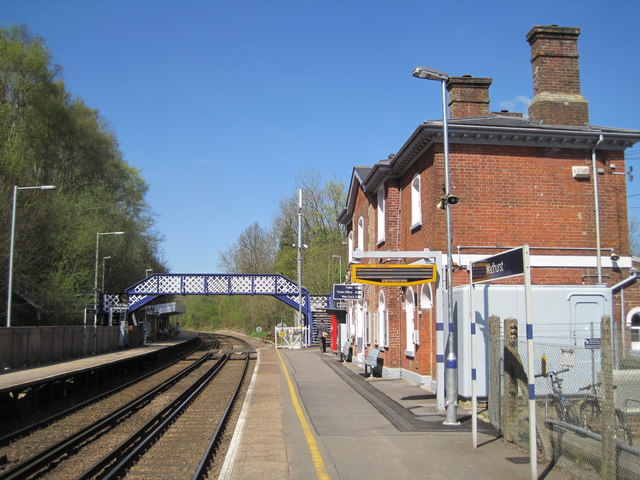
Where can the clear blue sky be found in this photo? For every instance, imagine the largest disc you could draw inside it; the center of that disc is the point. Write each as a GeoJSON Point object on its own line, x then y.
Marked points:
{"type": "Point", "coordinates": [222, 104]}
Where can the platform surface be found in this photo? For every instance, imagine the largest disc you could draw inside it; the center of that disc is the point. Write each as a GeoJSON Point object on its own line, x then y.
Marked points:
{"type": "Point", "coordinates": [371, 429]}
{"type": "Point", "coordinates": [20, 378]}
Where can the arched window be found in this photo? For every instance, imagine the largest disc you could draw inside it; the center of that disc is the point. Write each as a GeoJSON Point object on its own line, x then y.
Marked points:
{"type": "Point", "coordinates": [426, 299]}
{"type": "Point", "coordinates": [381, 215]}
{"type": "Point", "coordinates": [410, 312]}
{"type": "Point", "coordinates": [361, 234]}
{"type": "Point", "coordinates": [350, 246]}
{"type": "Point", "coordinates": [633, 321]}
{"type": "Point", "coordinates": [416, 203]}
{"type": "Point", "coordinates": [382, 322]}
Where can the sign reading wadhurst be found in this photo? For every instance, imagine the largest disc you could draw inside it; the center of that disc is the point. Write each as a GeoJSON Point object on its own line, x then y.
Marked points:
{"type": "Point", "coordinates": [503, 265]}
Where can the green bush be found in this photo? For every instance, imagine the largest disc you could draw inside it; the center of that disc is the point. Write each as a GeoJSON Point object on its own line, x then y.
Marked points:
{"type": "Point", "coordinates": [630, 363]}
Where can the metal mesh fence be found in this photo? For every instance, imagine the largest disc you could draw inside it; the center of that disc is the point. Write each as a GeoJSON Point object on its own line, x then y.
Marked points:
{"type": "Point", "coordinates": [587, 404]}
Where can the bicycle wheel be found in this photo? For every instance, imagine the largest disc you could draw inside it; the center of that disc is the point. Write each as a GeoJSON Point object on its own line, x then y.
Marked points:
{"type": "Point", "coordinates": [590, 414]}
{"type": "Point", "coordinates": [622, 428]}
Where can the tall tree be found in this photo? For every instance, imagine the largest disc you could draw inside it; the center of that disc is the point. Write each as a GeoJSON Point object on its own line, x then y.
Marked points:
{"type": "Point", "coordinates": [48, 137]}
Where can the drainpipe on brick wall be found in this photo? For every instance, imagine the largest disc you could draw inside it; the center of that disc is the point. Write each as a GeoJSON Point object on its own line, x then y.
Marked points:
{"type": "Point", "coordinates": [597, 206]}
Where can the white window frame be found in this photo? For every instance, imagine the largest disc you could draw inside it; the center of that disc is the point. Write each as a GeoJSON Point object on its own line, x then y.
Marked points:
{"type": "Point", "coordinates": [634, 328]}
{"type": "Point", "coordinates": [381, 215]}
{"type": "Point", "coordinates": [410, 321]}
{"type": "Point", "coordinates": [350, 246]}
{"type": "Point", "coordinates": [416, 202]}
{"type": "Point", "coordinates": [367, 327]}
{"type": "Point", "coordinates": [382, 319]}
{"type": "Point", "coordinates": [426, 297]}
{"type": "Point", "coordinates": [360, 238]}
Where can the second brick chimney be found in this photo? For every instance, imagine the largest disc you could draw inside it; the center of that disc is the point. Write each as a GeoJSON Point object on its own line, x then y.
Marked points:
{"type": "Point", "coordinates": [556, 76]}
{"type": "Point", "coordinates": [468, 96]}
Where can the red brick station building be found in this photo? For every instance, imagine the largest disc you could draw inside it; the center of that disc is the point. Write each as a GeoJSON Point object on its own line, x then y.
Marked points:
{"type": "Point", "coordinates": [521, 181]}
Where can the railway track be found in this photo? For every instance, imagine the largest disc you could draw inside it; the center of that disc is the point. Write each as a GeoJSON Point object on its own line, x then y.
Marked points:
{"type": "Point", "coordinates": [168, 431]}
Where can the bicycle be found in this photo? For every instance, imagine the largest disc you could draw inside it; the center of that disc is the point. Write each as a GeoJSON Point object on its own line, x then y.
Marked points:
{"type": "Point", "coordinates": [565, 409]}
{"type": "Point", "coordinates": [591, 411]}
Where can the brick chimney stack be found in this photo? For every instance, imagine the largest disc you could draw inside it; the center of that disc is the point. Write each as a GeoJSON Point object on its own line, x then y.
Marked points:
{"type": "Point", "coordinates": [468, 96]}
{"type": "Point", "coordinates": [556, 76]}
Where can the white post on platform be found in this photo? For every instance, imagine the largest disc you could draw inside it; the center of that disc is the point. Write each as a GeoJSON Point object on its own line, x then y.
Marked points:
{"type": "Point", "coordinates": [533, 449]}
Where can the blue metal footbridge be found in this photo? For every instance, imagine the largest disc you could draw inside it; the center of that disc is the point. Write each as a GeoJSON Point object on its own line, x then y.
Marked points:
{"type": "Point", "coordinates": [275, 285]}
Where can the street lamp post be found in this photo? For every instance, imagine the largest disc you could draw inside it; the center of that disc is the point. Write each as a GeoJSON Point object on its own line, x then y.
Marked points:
{"type": "Point", "coordinates": [339, 257]}
{"type": "Point", "coordinates": [12, 239]}
{"type": "Point", "coordinates": [451, 379]}
{"type": "Point", "coordinates": [95, 279]}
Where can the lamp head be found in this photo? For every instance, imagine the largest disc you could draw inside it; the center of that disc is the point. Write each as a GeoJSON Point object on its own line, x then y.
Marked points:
{"type": "Point", "coordinates": [429, 74]}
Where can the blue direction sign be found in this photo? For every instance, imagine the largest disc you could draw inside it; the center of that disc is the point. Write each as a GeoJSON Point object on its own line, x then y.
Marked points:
{"type": "Point", "coordinates": [506, 264]}
{"type": "Point", "coordinates": [349, 291]}
{"type": "Point", "coordinates": [592, 343]}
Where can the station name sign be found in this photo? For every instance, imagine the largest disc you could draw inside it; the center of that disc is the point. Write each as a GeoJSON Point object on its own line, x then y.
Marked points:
{"type": "Point", "coordinates": [351, 291]}
{"type": "Point", "coordinates": [396, 275]}
{"type": "Point", "coordinates": [503, 265]}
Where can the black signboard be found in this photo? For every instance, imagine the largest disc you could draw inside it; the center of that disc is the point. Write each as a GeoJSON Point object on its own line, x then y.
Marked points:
{"type": "Point", "coordinates": [398, 275]}
{"type": "Point", "coordinates": [506, 264]}
{"type": "Point", "coordinates": [350, 291]}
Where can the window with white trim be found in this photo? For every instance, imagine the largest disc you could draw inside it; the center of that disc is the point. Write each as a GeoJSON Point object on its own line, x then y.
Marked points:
{"type": "Point", "coordinates": [410, 313]}
{"type": "Point", "coordinates": [382, 326]}
{"type": "Point", "coordinates": [633, 321]}
{"type": "Point", "coordinates": [367, 327]}
{"type": "Point", "coordinates": [381, 215]}
{"type": "Point", "coordinates": [361, 234]}
{"type": "Point", "coordinates": [350, 246]}
{"type": "Point", "coordinates": [426, 301]}
{"type": "Point", "coordinates": [416, 203]}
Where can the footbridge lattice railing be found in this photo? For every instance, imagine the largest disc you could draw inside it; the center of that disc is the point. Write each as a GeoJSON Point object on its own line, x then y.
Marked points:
{"type": "Point", "coordinates": [274, 285]}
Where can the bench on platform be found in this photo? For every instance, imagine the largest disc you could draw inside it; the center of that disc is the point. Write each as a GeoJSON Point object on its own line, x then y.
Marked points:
{"type": "Point", "coordinates": [345, 350]}
{"type": "Point", "coordinates": [371, 360]}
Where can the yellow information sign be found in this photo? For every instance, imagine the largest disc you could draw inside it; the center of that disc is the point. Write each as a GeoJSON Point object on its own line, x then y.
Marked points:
{"type": "Point", "coordinates": [397, 275]}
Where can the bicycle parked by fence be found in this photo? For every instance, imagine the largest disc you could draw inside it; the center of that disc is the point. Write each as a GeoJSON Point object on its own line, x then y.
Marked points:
{"type": "Point", "coordinates": [591, 416]}
{"type": "Point", "coordinates": [564, 407]}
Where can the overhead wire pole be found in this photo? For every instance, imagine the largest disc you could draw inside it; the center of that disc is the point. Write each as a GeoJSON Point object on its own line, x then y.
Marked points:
{"type": "Point", "coordinates": [299, 257]}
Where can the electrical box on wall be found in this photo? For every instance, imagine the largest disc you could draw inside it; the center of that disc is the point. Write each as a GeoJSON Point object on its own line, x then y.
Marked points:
{"type": "Point", "coordinates": [580, 172]}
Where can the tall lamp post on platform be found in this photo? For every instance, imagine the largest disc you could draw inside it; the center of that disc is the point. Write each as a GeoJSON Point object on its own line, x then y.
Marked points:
{"type": "Point", "coordinates": [95, 280]}
{"type": "Point", "coordinates": [447, 200]}
{"type": "Point", "coordinates": [11, 242]}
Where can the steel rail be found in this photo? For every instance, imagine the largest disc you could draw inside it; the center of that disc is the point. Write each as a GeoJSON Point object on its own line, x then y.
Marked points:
{"type": "Point", "coordinates": [200, 472]}
{"type": "Point", "coordinates": [47, 456]}
{"type": "Point", "coordinates": [138, 441]}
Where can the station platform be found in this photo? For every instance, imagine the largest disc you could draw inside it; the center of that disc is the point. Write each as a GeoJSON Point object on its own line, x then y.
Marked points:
{"type": "Point", "coordinates": [306, 415]}
{"type": "Point", "coordinates": [22, 378]}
